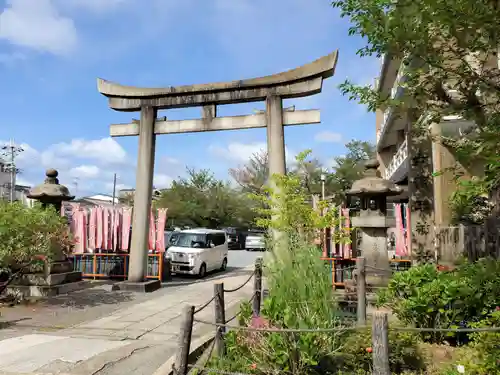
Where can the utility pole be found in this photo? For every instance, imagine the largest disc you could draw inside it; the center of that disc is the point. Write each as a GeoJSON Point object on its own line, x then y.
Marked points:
{"type": "Point", "coordinates": [11, 151]}
{"type": "Point", "coordinates": [114, 188]}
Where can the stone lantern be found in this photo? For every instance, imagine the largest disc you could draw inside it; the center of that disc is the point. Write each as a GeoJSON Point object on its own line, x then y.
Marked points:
{"type": "Point", "coordinates": [372, 222]}
{"type": "Point", "coordinates": [51, 192]}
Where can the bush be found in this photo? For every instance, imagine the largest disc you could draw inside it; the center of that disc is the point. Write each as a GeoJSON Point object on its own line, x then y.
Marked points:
{"type": "Point", "coordinates": [27, 233]}
{"type": "Point", "coordinates": [404, 353]}
{"type": "Point", "coordinates": [428, 298]}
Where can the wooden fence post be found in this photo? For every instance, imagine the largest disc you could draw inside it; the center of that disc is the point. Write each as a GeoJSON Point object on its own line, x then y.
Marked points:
{"type": "Point", "coordinates": [181, 360]}
{"type": "Point", "coordinates": [361, 290]}
{"type": "Point", "coordinates": [220, 318]}
{"type": "Point", "coordinates": [380, 344]}
{"type": "Point", "coordinates": [257, 287]}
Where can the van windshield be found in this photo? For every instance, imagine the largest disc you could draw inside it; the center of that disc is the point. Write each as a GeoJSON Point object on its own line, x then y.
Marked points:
{"type": "Point", "coordinates": [188, 240]}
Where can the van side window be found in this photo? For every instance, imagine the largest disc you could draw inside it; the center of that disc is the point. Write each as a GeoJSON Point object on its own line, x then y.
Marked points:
{"type": "Point", "coordinates": [219, 239]}
{"type": "Point", "coordinates": [210, 240]}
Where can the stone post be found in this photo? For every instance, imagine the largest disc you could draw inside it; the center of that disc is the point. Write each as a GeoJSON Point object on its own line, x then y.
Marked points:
{"type": "Point", "coordinates": [142, 197]}
{"type": "Point", "coordinates": [372, 222]}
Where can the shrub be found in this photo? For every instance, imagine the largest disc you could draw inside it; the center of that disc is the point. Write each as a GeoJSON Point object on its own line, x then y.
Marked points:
{"type": "Point", "coordinates": [30, 233]}
{"type": "Point", "coordinates": [428, 298]}
{"type": "Point", "coordinates": [404, 353]}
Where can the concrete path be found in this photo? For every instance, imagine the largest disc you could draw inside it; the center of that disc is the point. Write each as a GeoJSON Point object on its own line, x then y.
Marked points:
{"type": "Point", "coordinates": [135, 339]}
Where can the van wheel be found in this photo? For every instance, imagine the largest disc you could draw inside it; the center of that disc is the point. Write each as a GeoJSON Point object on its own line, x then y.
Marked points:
{"type": "Point", "coordinates": [203, 271]}
{"type": "Point", "coordinates": [224, 265]}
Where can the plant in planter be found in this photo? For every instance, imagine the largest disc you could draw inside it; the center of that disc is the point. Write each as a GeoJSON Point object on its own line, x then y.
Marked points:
{"type": "Point", "coordinates": [30, 238]}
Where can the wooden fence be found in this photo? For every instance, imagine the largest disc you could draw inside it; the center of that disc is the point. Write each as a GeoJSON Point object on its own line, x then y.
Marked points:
{"type": "Point", "coordinates": [379, 326]}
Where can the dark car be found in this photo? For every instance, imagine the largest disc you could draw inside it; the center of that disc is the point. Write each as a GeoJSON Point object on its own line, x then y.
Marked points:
{"type": "Point", "coordinates": [235, 238]}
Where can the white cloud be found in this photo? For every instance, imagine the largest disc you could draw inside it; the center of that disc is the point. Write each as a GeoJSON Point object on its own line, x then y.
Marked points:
{"type": "Point", "coordinates": [70, 160]}
{"type": "Point", "coordinates": [327, 136]}
{"type": "Point", "coordinates": [38, 25]}
{"type": "Point", "coordinates": [85, 171]}
{"type": "Point", "coordinates": [161, 181]}
{"type": "Point", "coordinates": [105, 150]}
{"type": "Point", "coordinates": [23, 182]}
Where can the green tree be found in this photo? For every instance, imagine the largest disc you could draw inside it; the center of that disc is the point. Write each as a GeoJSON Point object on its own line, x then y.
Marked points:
{"type": "Point", "coordinates": [202, 200]}
{"type": "Point", "coordinates": [449, 52]}
{"type": "Point", "coordinates": [349, 168]}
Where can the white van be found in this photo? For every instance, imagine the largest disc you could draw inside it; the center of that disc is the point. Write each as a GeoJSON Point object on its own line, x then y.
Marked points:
{"type": "Point", "coordinates": [198, 251]}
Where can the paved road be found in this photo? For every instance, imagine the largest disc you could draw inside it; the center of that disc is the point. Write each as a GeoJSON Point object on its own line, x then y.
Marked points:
{"type": "Point", "coordinates": [142, 323]}
{"type": "Point", "coordinates": [98, 300]}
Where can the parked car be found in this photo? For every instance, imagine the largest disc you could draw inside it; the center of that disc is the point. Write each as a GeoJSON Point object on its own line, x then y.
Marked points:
{"type": "Point", "coordinates": [235, 238]}
{"type": "Point", "coordinates": [255, 240]}
{"type": "Point", "coordinates": [198, 251]}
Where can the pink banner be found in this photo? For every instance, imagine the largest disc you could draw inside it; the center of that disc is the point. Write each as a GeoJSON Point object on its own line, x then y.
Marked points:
{"type": "Point", "coordinates": [152, 231]}
{"type": "Point", "coordinates": [92, 230]}
{"type": "Point", "coordinates": [105, 229]}
{"type": "Point", "coordinates": [399, 231]}
{"type": "Point", "coordinates": [408, 230]}
{"type": "Point", "coordinates": [99, 228]}
{"type": "Point", "coordinates": [126, 222]}
{"type": "Point", "coordinates": [116, 228]}
{"type": "Point", "coordinates": [80, 229]}
{"type": "Point", "coordinates": [75, 207]}
{"type": "Point", "coordinates": [347, 229]}
{"type": "Point", "coordinates": [160, 229]}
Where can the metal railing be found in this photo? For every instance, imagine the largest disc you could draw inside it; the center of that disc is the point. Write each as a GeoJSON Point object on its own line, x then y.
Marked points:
{"type": "Point", "coordinates": [399, 158]}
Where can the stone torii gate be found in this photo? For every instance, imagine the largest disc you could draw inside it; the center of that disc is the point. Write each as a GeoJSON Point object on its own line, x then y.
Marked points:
{"type": "Point", "coordinates": [299, 82]}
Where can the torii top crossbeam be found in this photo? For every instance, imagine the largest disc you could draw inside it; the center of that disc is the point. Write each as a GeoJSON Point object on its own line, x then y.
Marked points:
{"type": "Point", "coordinates": [299, 82]}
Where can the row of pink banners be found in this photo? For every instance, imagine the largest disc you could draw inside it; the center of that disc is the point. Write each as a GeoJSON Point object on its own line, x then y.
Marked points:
{"type": "Point", "coordinates": [101, 228]}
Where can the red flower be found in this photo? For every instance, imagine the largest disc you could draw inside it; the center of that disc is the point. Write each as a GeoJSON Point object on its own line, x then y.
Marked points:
{"type": "Point", "coordinates": [40, 257]}
{"type": "Point", "coordinates": [253, 366]}
{"type": "Point", "coordinates": [369, 349]}
{"type": "Point", "coordinates": [497, 308]}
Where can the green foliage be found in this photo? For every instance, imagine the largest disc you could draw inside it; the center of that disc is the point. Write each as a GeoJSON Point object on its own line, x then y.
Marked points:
{"type": "Point", "coordinates": [253, 176]}
{"type": "Point", "coordinates": [26, 233]}
{"type": "Point", "coordinates": [482, 355]}
{"type": "Point", "coordinates": [428, 298]}
{"type": "Point", "coordinates": [469, 203]}
{"type": "Point", "coordinates": [287, 207]}
{"type": "Point", "coordinates": [349, 168]}
{"type": "Point", "coordinates": [404, 354]}
{"type": "Point", "coordinates": [443, 45]}
{"type": "Point", "coordinates": [200, 200]}
{"type": "Point", "coordinates": [300, 291]}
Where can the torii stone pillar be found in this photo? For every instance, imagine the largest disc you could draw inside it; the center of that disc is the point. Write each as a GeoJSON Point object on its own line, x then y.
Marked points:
{"type": "Point", "coordinates": [300, 82]}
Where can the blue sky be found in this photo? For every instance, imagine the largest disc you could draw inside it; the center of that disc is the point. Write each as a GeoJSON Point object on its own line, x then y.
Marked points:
{"type": "Point", "coordinates": [52, 51]}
